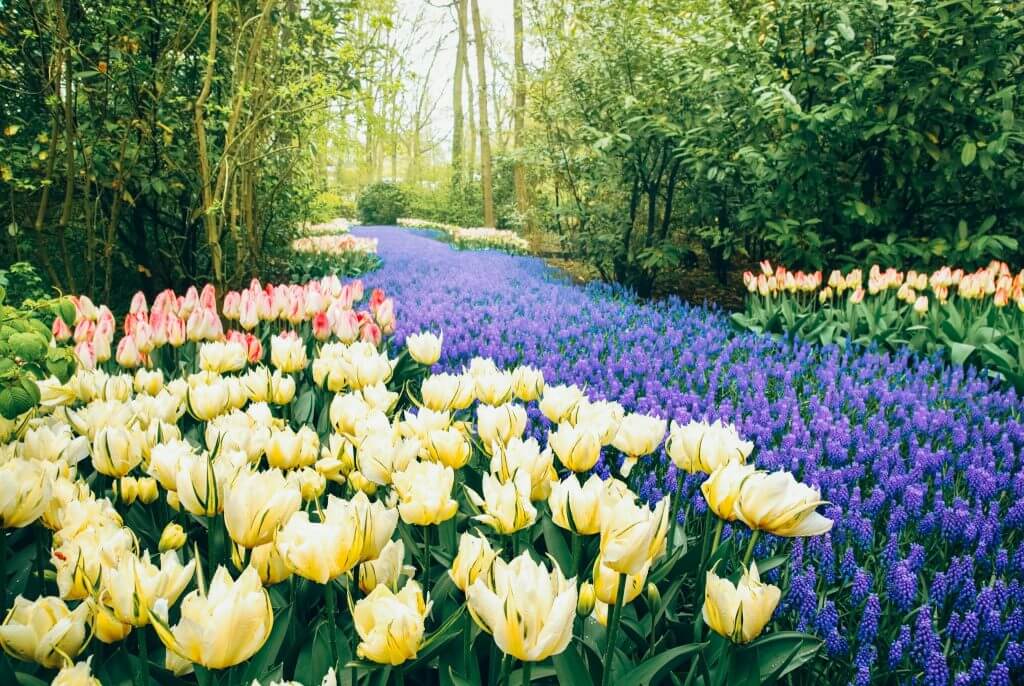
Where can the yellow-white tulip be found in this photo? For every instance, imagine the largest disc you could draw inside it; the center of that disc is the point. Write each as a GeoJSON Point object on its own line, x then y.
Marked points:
{"type": "Point", "coordinates": [520, 455]}
{"type": "Point", "coordinates": [321, 551]}
{"type": "Point", "coordinates": [172, 537]}
{"type": "Point", "coordinates": [578, 447]}
{"type": "Point", "coordinates": [269, 564]}
{"type": "Point", "coordinates": [449, 447]}
{"type": "Point", "coordinates": [202, 481]}
{"type": "Point", "coordinates": [602, 417]}
{"type": "Point", "coordinates": [97, 415]}
{"type": "Point", "coordinates": [347, 411]}
{"type": "Point", "coordinates": [606, 583]}
{"type": "Point", "coordinates": [703, 447]}
{"type": "Point", "coordinates": [44, 631]}
{"type": "Point", "coordinates": [288, 353]}
{"type": "Point", "coordinates": [559, 402]}
{"type": "Point", "coordinates": [425, 347]}
{"type": "Point", "coordinates": [722, 489]}
{"type": "Point", "coordinates": [425, 493]}
{"type": "Point", "coordinates": [638, 435]}
{"type": "Point", "coordinates": [420, 425]}
{"type": "Point", "coordinates": [779, 504]}
{"type": "Point", "coordinates": [79, 674]}
{"type": "Point", "coordinates": [377, 521]}
{"type": "Point", "coordinates": [474, 558]}
{"type": "Point", "coordinates": [132, 587]}
{"type": "Point", "coordinates": [80, 560]}
{"type": "Point", "coordinates": [288, 449]}
{"type": "Point", "coordinates": [221, 628]}
{"type": "Point", "coordinates": [741, 612]}
{"type": "Point", "coordinates": [379, 398]}
{"type": "Point", "coordinates": [148, 381]}
{"type": "Point", "coordinates": [506, 506]}
{"type": "Point", "coordinates": [26, 487]}
{"type": "Point", "coordinates": [390, 625]}
{"type": "Point", "coordinates": [148, 490]}
{"type": "Point", "coordinates": [117, 450]}
{"type": "Point", "coordinates": [282, 388]}
{"type": "Point", "coordinates": [257, 503]}
{"type": "Point", "coordinates": [576, 508]}
{"type": "Point", "coordinates": [387, 569]}
{"type": "Point", "coordinates": [632, 535]}
{"type": "Point", "coordinates": [208, 400]}
{"type": "Point", "coordinates": [587, 600]}
{"type": "Point", "coordinates": [222, 356]}
{"type": "Point", "coordinates": [379, 456]}
{"type": "Point", "coordinates": [527, 609]}
{"type": "Point", "coordinates": [501, 424]}
{"type": "Point", "coordinates": [494, 388]}
{"type": "Point", "coordinates": [310, 482]}
{"type": "Point", "coordinates": [442, 392]}
{"type": "Point", "coordinates": [54, 443]}
{"type": "Point", "coordinates": [165, 462]}
{"type": "Point", "coordinates": [246, 431]}
{"type": "Point", "coordinates": [527, 383]}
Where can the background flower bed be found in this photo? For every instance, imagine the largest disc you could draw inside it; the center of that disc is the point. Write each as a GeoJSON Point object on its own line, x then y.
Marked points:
{"type": "Point", "coordinates": [474, 238]}
{"type": "Point", "coordinates": [925, 564]}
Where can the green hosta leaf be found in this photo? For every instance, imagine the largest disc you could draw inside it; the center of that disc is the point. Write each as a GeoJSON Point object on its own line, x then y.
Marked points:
{"type": "Point", "coordinates": [959, 352]}
{"type": "Point", "coordinates": [15, 400]}
{"type": "Point", "coordinates": [28, 345]}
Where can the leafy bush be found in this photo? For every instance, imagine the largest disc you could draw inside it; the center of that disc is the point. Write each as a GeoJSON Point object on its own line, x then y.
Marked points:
{"type": "Point", "coordinates": [969, 318]}
{"type": "Point", "coordinates": [21, 281]}
{"type": "Point", "coordinates": [381, 203]}
{"type": "Point", "coordinates": [26, 353]}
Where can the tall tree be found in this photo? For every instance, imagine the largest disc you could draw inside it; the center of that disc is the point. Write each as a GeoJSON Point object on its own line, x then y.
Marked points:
{"type": "Point", "coordinates": [486, 181]}
{"type": "Point", "coordinates": [519, 111]}
{"type": "Point", "coordinates": [460, 62]}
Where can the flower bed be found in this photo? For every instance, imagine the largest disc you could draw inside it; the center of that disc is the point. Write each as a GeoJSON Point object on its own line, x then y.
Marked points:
{"type": "Point", "coordinates": [339, 225]}
{"type": "Point", "coordinates": [922, 573]}
{"type": "Point", "coordinates": [969, 318]}
{"type": "Point", "coordinates": [477, 238]}
{"type": "Point", "coordinates": [278, 451]}
{"type": "Point", "coordinates": [321, 255]}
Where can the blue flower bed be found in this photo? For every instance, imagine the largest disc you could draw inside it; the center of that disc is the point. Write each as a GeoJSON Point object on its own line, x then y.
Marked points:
{"type": "Point", "coordinates": [922, 578]}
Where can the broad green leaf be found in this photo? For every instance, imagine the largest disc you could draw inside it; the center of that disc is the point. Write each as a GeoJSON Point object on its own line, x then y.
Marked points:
{"type": "Point", "coordinates": [654, 669]}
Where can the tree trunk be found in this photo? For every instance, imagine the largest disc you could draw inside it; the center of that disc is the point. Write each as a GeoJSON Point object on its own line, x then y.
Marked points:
{"type": "Point", "coordinates": [485, 129]}
{"type": "Point", "coordinates": [209, 221]}
{"type": "Point", "coordinates": [470, 161]}
{"type": "Point", "coordinates": [519, 114]}
{"type": "Point", "coordinates": [457, 79]}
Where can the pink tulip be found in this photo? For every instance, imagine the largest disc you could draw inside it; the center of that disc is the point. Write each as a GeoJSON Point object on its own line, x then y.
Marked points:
{"type": "Point", "coordinates": [61, 331]}
{"type": "Point", "coordinates": [85, 331]}
{"type": "Point", "coordinates": [232, 305]}
{"type": "Point", "coordinates": [321, 326]}
{"type": "Point", "coordinates": [346, 325]}
{"type": "Point", "coordinates": [208, 297]}
{"type": "Point", "coordinates": [370, 333]}
{"type": "Point", "coordinates": [158, 321]}
{"type": "Point", "coordinates": [86, 355]}
{"type": "Point", "coordinates": [188, 304]}
{"type": "Point", "coordinates": [101, 345]}
{"type": "Point", "coordinates": [376, 299]}
{"type": "Point", "coordinates": [176, 331]}
{"type": "Point", "coordinates": [385, 315]}
{"type": "Point", "coordinates": [138, 303]}
{"type": "Point", "coordinates": [86, 309]}
{"type": "Point", "coordinates": [128, 353]}
{"type": "Point", "coordinates": [857, 296]}
{"type": "Point", "coordinates": [357, 290]}
{"type": "Point", "coordinates": [248, 316]}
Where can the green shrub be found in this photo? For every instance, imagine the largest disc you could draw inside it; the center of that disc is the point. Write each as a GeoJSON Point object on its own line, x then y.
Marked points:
{"type": "Point", "coordinates": [381, 203]}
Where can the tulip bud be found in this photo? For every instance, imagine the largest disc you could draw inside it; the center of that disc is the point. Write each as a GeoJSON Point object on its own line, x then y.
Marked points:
{"type": "Point", "coordinates": [653, 596]}
{"type": "Point", "coordinates": [425, 348]}
{"type": "Point", "coordinates": [172, 538]}
{"type": "Point", "coordinates": [128, 489]}
{"type": "Point", "coordinates": [173, 502]}
{"type": "Point", "coordinates": [148, 491]}
{"type": "Point", "coordinates": [585, 603]}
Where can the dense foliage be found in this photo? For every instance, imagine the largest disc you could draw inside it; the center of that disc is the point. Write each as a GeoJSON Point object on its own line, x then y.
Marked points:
{"type": "Point", "coordinates": [381, 203]}
{"type": "Point", "coordinates": [155, 143]}
{"type": "Point", "coordinates": [873, 130]}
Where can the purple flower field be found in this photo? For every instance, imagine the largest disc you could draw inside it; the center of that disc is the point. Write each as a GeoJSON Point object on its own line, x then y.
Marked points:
{"type": "Point", "coordinates": [922, 578]}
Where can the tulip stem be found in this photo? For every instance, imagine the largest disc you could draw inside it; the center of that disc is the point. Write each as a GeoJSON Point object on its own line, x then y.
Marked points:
{"type": "Point", "coordinates": [577, 542]}
{"type": "Point", "coordinates": [506, 668]}
{"type": "Point", "coordinates": [332, 638]}
{"type": "Point", "coordinates": [426, 567]}
{"type": "Point", "coordinates": [142, 669]}
{"type": "Point", "coordinates": [750, 547]}
{"type": "Point", "coordinates": [613, 629]}
{"type": "Point", "coordinates": [676, 497]}
{"type": "Point", "coordinates": [527, 666]}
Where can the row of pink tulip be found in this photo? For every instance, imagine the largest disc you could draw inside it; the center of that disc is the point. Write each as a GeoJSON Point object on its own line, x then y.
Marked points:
{"type": "Point", "coordinates": [326, 304]}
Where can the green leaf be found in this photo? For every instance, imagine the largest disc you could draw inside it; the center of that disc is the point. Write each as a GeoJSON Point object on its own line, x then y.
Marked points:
{"type": "Point", "coordinates": [654, 668]}
{"type": "Point", "coordinates": [968, 153]}
{"type": "Point", "coordinates": [570, 668]}
{"type": "Point", "coordinates": [783, 652]}
{"type": "Point", "coordinates": [959, 352]}
{"type": "Point", "coordinates": [555, 542]}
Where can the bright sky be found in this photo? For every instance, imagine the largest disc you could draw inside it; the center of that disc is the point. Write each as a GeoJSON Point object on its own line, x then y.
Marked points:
{"type": "Point", "coordinates": [440, 18]}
